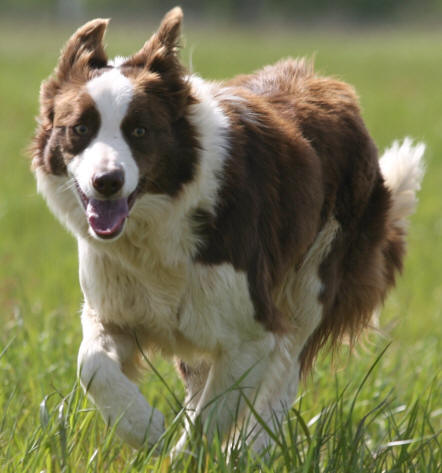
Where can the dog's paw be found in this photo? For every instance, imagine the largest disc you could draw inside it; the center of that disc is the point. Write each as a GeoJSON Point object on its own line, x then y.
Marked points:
{"type": "Point", "coordinates": [140, 425]}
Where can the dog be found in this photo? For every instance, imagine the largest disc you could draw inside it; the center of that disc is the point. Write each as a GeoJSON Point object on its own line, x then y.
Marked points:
{"type": "Point", "coordinates": [237, 227]}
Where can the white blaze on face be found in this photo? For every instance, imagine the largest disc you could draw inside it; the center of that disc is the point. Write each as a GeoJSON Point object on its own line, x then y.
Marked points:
{"type": "Point", "coordinates": [112, 93]}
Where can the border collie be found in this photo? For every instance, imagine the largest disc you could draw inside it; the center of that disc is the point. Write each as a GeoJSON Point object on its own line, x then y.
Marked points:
{"type": "Point", "coordinates": [236, 226]}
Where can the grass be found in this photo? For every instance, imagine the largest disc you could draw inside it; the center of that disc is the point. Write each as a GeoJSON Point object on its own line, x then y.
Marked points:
{"type": "Point", "coordinates": [379, 411]}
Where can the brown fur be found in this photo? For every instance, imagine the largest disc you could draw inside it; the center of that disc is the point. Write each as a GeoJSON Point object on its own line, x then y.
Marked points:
{"type": "Point", "coordinates": [166, 155]}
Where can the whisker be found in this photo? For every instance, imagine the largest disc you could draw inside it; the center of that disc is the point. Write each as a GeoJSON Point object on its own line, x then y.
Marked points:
{"type": "Point", "coordinates": [70, 184]}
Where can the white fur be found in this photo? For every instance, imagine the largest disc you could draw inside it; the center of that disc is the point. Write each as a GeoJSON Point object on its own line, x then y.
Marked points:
{"type": "Point", "coordinates": [100, 362]}
{"type": "Point", "coordinates": [403, 168]}
{"type": "Point", "coordinates": [117, 61]}
{"type": "Point", "coordinates": [112, 93]}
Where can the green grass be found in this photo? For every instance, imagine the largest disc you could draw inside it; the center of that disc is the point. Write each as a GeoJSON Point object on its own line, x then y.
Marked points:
{"type": "Point", "coordinates": [367, 413]}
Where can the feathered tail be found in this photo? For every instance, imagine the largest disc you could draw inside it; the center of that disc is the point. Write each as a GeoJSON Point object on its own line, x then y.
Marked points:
{"type": "Point", "coordinates": [402, 167]}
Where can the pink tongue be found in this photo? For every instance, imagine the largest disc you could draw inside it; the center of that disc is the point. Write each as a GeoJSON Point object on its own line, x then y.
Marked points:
{"type": "Point", "coordinates": [106, 217]}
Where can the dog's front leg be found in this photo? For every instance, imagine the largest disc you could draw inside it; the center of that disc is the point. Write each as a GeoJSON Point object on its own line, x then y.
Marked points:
{"type": "Point", "coordinates": [105, 354]}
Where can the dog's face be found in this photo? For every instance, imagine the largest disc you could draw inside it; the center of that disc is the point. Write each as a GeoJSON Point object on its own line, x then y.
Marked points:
{"type": "Point", "coordinates": [116, 130]}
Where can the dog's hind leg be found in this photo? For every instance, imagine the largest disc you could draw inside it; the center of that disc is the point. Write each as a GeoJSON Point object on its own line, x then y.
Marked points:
{"type": "Point", "coordinates": [232, 376]}
{"type": "Point", "coordinates": [105, 354]}
{"type": "Point", "coordinates": [275, 398]}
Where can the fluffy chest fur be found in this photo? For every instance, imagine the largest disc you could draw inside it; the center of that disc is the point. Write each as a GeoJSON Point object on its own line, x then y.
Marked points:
{"type": "Point", "coordinates": [180, 309]}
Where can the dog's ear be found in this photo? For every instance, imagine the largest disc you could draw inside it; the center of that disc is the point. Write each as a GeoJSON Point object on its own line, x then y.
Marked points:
{"type": "Point", "coordinates": [160, 67]}
{"type": "Point", "coordinates": [169, 32]}
{"type": "Point", "coordinates": [84, 49]}
{"type": "Point", "coordinates": [159, 53]}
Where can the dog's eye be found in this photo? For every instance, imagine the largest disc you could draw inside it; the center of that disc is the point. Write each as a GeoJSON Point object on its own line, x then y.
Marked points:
{"type": "Point", "coordinates": [81, 129]}
{"type": "Point", "coordinates": [138, 132]}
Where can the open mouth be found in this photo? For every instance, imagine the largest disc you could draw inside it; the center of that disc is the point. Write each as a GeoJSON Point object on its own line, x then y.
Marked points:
{"type": "Point", "coordinates": [107, 217]}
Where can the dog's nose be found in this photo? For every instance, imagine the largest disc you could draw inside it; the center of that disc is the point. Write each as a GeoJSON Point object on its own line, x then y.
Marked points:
{"type": "Point", "coordinates": [108, 183]}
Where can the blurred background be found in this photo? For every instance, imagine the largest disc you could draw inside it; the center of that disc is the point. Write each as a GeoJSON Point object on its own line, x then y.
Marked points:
{"type": "Point", "coordinates": [360, 11]}
{"type": "Point", "coordinates": [390, 50]}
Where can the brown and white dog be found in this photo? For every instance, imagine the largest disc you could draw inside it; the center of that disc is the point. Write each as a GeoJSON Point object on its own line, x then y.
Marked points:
{"type": "Point", "coordinates": [236, 226]}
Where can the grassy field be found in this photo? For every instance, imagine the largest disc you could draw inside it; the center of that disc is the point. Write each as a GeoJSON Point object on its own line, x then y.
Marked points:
{"type": "Point", "coordinates": [379, 411]}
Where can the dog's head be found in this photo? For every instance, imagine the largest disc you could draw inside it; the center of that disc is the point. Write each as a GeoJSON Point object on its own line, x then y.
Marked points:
{"type": "Point", "coordinates": [114, 130]}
